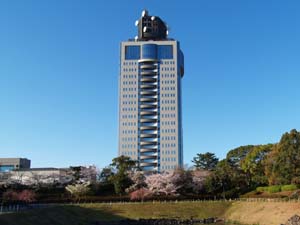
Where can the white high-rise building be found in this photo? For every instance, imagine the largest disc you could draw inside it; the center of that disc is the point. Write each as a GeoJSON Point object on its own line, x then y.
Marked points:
{"type": "Point", "coordinates": [150, 114]}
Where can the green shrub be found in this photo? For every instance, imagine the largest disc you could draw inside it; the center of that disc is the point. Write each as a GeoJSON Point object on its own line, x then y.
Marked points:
{"type": "Point", "coordinates": [291, 187]}
{"type": "Point", "coordinates": [274, 189]}
{"type": "Point", "coordinates": [262, 189]}
{"type": "Point", "coordinates": [270, 189]}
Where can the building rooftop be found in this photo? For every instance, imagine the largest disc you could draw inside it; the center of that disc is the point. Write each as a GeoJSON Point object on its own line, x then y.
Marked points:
{"type": "Point", "coordinates": [151, 28]}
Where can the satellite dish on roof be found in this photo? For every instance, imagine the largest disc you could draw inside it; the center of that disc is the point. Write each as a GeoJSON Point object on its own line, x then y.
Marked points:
{"type": "Point", "coordinates": [152, 18]}
{"type": "Point", "coordinates": [136, 22]}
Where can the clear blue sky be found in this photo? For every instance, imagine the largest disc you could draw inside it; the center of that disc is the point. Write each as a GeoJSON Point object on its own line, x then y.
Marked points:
{"type": "Point", "coordinates": [59, 63]}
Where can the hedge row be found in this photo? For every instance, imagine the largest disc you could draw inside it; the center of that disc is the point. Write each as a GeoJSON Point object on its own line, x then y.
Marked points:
{"type": "Point", "coordinates": [277, 188]}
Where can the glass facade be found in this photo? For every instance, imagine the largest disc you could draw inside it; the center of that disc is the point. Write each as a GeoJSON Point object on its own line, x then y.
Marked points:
{"type": "Point", "coordinates": [165, 52]}
{"type": "Point", "coordinates": [149, 51]}
{"type": "Point", "coordinates": [132, 52]}
{"type": "Point", "coordinates": [6, 168]}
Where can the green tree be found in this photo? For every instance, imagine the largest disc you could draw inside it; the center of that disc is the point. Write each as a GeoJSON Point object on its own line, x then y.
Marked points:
{"type": "Point", "coordinates": [283, 163]}
{"type": "Point", "coordinates": [206, 161]}
{"type": "Point", "coordinates": [122, 165]}
{"type": "Point", "coordinates": [254, 164]}
{"type": "Point", "coordinates": [226, 181]}
{"type": "Point", "coordinates": [237, 155]}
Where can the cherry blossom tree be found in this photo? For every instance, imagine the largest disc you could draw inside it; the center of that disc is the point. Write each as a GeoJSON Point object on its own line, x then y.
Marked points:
{"type": "Point", "coordinates": [78, 190]}
{"type": "Point", "coordinates": [27, 196]}
{"type": "Point", "coordinates": [199, 177]}
{"type": "Point", "coordinates": [140, 194]}
{"type": "Point", "coordinates": [162, 184]}
{"type": "Point", "coordinates": [138, 178]}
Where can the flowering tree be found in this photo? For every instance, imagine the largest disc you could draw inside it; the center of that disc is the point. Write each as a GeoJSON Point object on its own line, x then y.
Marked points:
{"type": "Point", "coordinates": [138, 178]}
{"type": "Point", "coordinates": [199, 177]}
{"type": "Point", "coordinates": [27, 196]}
{"type": "Point", "coordinates": [10, 195]}
{"type": "Point", "coordinates": [88, 174]}
{"type": "Point", "coordinates": [140, 194]}
{"type": "Point", "coordinates": [24, 196]}
{"type": "Point", "coordinates": [162, 184]}
{"type": "Point", "coordinates": [78, 190]}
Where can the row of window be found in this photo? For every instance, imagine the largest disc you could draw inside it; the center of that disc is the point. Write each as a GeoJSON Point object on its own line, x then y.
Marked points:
{"type": "Point", "coordinates": [167, 68]}
{"type": "Point", "coordinates": [129, 69]}
{"type": "Point", "coordinates": [129, 146]}
{"type": "Point", "coordinates": [130, 139]}
{"type": "Point", "coordinates": [129, 102]}
{"type": "Point", "coordinates": [168, 82]}
{"type": "Point", "coordinates": [168, 152]}
{"type": "Point", "coordinates": [168, 62]}
{"type": "Point", "coordinates": [130, 124]}
{"type": "Point", "coordinates": [128, 116]}
{"type": "Point", "coordinates": [163, 88]}
{"type": "Point", "coordinates": [128, 109]}
{"type": "Point", "coordinates": [168, 123]}
{"type": "Point", "coordinates": [168, 108]}
{"type": "Point", "coordinates": [162, 69]}
{"type": "Point", "coordinates": [129, 89]}
{"type": "Point", "coordinates": [162, 101]}
{"type": "Point", "coordinates": [130, 76]}
{"type": "Point", "coordinates": [168, 159]}
{"type": "Point", "coordinates": [164, 159]}
{"type": "Point", "coordinates": [168, 145]}
{"type": "Point", "coordinates": [169, 167]}
{"type": "Point", "coordinates": [133, 76]}
{"type": "Point", "coordinates": [168, 88]}
{"type": "Point", "coordinates": [172, 115]}
{"type": "Point", "coordinates": [129, 82]}
{"type": "Point", "coordinates": [168, 101]}
{"type": "Point", "coordinates": [128, 153]}
{"type": "Point", "coordinates": [128, 131]}
{"type": "Point", "coordinates": [127, 139]}
{"type": "Point", "coordinates": [168, 138]}
{"type": "Point", "coordinates": [135, 63]}
{"type": "Point", "coordinates": [168, 130]}
{"type": "Point", "coordinates": [129, 63]}
{"type": "Point", "coordinates": [172, 75]}
{"type": "Point", "coordinates": [129, 96]}
{"type": "Point", "coordinates": [168, 95]}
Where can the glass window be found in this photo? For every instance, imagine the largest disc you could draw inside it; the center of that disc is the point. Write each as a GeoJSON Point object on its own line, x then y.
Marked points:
{"type": "Point", "coordinates": [6, 168]}
{"type": "Point", "coordinates": [149, 51]}
{"type": "Point", "coordinates": [165, 52]}
{"type": "Point", "coordinates": [132, 52]}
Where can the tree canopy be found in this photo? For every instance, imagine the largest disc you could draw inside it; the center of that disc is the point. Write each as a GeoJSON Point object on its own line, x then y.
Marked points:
{"type": "Point", "coordinates": [206, 161]}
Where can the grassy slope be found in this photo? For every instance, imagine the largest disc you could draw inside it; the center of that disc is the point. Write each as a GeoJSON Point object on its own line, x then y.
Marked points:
{"type": "Point", "coordinates": [85, 214]}
{"type": "Point", "coordinates": [263, 213]}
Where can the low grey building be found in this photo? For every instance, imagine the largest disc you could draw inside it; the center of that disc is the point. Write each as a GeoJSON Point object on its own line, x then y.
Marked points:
{"type": "Point", "coordinates": [9, 164]}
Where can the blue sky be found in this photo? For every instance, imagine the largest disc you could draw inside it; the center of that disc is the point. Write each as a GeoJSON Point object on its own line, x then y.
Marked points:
{"type": "Point", "coordinates": [59, 63]}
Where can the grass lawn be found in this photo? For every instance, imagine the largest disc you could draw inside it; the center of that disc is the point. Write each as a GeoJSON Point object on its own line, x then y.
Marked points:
{"type": "Point", "coordinates": [85, 214]}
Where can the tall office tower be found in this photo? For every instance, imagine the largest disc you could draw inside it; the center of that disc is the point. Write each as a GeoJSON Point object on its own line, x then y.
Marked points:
{"type": "Point", "coordinates": [150, 115]}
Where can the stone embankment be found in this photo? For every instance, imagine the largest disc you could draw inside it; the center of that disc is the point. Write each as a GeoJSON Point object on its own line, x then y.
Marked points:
{"type": "Point", "coordinates": [295, 220]}
{"type": "Point", "coordinates": [161, 222]}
